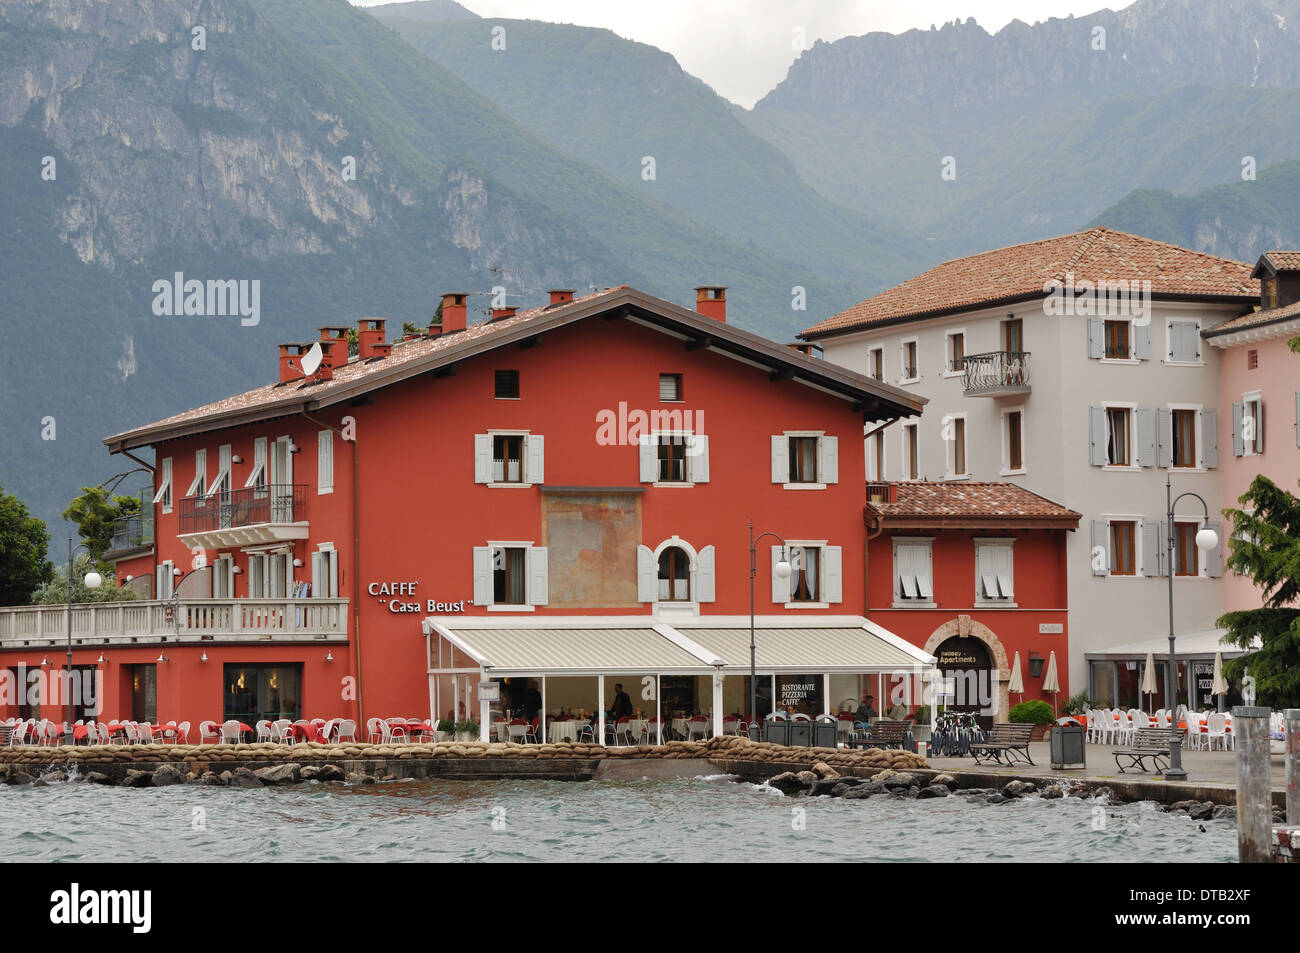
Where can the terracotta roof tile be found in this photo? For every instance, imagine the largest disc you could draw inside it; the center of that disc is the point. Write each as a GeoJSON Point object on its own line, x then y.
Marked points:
{"type": "Point", "coordinates": [1284, 260]}
{"type": "Point", "coordinates": [1021, 271]}
{"type": "Point", "coordinates": [968, 500]}
{"type": "Point", "coordinates": [1255, 319]}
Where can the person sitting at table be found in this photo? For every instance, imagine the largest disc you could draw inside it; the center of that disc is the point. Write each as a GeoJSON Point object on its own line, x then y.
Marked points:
{"type": "Point", "coordinates": [898, 712]}
{"type": "Point", "coordinates": [866, 711]}
{"type": "Point", "coordinates": [622, 704]}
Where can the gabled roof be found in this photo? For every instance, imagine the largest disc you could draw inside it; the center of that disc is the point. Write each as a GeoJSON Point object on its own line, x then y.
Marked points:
{"type": "Point", "coordinates": [1020, 272]}
{"type": "Point", "coordinates": [877, 400]}
{"type": "Point", "coordinates": [971, 505]}
{"type": "Point", "coordinates": [1271, 262]}
{"type": "Point", "coordinates": [1256, 319]}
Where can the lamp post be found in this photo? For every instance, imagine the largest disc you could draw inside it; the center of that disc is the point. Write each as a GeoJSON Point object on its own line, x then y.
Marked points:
{"type": "Point", "coordinates": [1206, 539]}
{"type": "Point", "coordinates": [92, 580]}
{"type": "Point", "coordinates": [782, 570]}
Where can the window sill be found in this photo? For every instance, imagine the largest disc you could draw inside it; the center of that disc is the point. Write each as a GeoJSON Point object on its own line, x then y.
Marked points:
{"type": "Point", "coordinates": [995, 604]}
{"type": "Point", "coordinates": [1121, 468]}
{"type": "Point", "coordinates": [807, 605]}
{"type": "Point", "coordinates": [954, 373]}
{"type": "Point", "coordinates": [1017, 472]}
{"type": "Point", "coordinates": [1187, 469]}
{"type": "Point", "coordinates": [1168, 363]}
{"type": "Point", "coordinates": [1126, 575]}
{"type": "Point", "coordinates": [669, 486]}
{"type": "Point", "coordinates": [511, 485]}
{"type": "Point", "coordinates": [913, 605]}
{"type": "Point", "coordinates": [504, 608]}
{"type": "Point", "coordinates": [956, 476]}
{"type": "Point", "coordinates": [909, 380]}
{"type": "Point", "coordinates": [803, 486]}
{"type": "Point", "coordinates": [675, 608]}
{"type": "Point", "coordinates": [1119, 360]}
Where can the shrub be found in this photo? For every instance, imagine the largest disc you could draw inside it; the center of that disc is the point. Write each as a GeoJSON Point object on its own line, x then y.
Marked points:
{"type": "Point", "coordinates": [468, 726]}
{"type": "Point", "coordinates": [923, 715]}
{"type": "Point", "coordinates": [1078, 704]}
{"type": "Point", "coordinates": [1032, 713]}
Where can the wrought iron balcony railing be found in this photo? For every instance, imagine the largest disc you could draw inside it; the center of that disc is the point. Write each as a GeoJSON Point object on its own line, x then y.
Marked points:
{"type": "Point", "coordinates": [230, 509]}
{"type": "Point", "coordinates": [996, 372]}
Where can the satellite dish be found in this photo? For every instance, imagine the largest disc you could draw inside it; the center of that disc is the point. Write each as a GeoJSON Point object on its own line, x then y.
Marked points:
{"type": "Point", "coordinates": [311, 360]}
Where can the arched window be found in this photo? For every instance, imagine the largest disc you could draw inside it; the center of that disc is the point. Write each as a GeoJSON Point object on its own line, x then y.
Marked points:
{"type": "Point", "coordinates": [674, 575]}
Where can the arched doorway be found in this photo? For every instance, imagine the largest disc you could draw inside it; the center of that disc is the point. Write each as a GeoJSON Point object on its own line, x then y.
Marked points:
{"type": "Point", "coordinates": [973, 640]}
{"type": "Point", "coordinates": [965, 662]}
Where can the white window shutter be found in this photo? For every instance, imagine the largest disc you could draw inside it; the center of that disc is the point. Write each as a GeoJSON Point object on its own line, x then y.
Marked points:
{"type": "Point", "coordinates": [1096, 338]}
{"type": "Point", "coordinates": [1214, 558]}
{"type": "Point", "coordinates": [1097, 436]}
{"type": "Point", "coordinates": [255, 589]}
{"type": "Point", "coordinates": [1238, 441]}
{"type": "Point", "coordinates": [534, 471]}
{"type": "Point", "coordinates": [924, 577]}
{"type": "Point", "coordinates": [325, 462]}
{"type": "Point", "coordinates": [1210, 439]}
{"type": "Point", "coordinates": [704, 576]}
{"type": "Point", "coordinates": [482, 458]}
{"type": "Point", "coordinates": [781, 455]}
{"type": "Point", "coordinates": [647, 449]}
{"type": "Point", "coordinates": [482, 575]}
{"type": "Point", "coordinates": [828, 460]}
{"type": "Point", "coordinates": [1146, 437]}
{"type": "Point", "coordinates": [780, 587]}
{"type": "Point", "coordinates": [833, 560]}
{"type": "Point", "coordinates": [1142, 341]}
{"type": "Point", "coordinates": [1100, 539]}
{"type": "Point", "coordinates": [538, 579]}
{"type": "Point", "coordinates": [1164, 436]}
{"type": "Point", "coordinates": [1152, 564]}
{"type": "Point", "coordinates": [647, 575]}
{"type": "Point", "coordinates": [1003, 568]}
{"type": "Point", "coordinates": [318, 575]}
{"type": "Point", "coordinates": [165, 483]}
{"type": "Point", "coordinates": [697, 458]}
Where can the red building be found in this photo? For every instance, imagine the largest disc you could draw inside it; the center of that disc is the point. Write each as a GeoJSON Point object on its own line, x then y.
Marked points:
{"type": "Point", "coordinates": [973, 573]}
{"type": "Point", "coordinates": [553, 500]}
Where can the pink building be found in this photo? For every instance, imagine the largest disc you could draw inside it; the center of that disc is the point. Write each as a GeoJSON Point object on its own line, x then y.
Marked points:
{"type": "Point", "coordinates": [1260, 378]}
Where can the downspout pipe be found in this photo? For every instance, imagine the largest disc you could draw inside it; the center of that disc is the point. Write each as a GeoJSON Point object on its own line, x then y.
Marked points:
{"type": "Point", "coordinates": [356, 554]}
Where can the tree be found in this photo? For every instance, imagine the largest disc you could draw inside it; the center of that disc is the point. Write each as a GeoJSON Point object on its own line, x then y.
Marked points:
{"type": "Point", "coordinates": [94, 512]}
{"type": "Point", "coordinates": [55, 592]}
{"type": "Point", "coordinates": [23, 542]}
{"type": "Point", "coordinates": [1266, 547]}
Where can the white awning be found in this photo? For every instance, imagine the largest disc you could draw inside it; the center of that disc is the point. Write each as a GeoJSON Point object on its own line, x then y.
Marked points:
{"type": "Point", "coordinates": [1189, 645]}
{"type": "Point", "coordinates": [826, 644]}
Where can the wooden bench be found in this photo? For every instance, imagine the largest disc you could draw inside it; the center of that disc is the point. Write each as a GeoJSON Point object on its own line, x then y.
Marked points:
{"type": "Point", "coordinates": [1011, 740]}
{"type": "Point", "coordinates": [883, 734]}
{"type": "Point", "coordinates": [1150, 743]}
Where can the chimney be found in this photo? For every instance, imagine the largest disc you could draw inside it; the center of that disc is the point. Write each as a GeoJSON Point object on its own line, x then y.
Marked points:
{"type": "Point", "coordinates": [455, 313]}
{"type": "Point", "coordinates": [711, 301]}
{"type": "Point", "coordinates": [291, 361]}
{"type": "Point", "coordinates": [561, 295]}
{"type": "Point", "coordinates": [499, 313]}
{"type": "Point", "coordinates": [370, 339]}
{"type": "Point", "coordinates": [803, 347]}
{"type": "Point", "coordinates": [334, 344]}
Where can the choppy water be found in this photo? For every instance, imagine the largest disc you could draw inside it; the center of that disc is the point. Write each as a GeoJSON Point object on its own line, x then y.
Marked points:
{"type": "Point", "coordinates": [703, 819]}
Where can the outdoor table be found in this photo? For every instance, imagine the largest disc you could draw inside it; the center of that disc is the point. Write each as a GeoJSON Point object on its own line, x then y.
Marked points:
{"type": "Point", "coordinates": [499, 727]}
{"type": "Point", "coordinates": [306, 733]}
{"type": "Point", "coordinates": [564, 730]}
{"type": "Point", "coordinates": [80, 731]}
{"type": "Point", "coordinates": [681, 726]}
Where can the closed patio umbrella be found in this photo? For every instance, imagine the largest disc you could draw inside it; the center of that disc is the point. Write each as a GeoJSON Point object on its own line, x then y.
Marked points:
{"type": "Point", "coordinates": [1219, 688]}
{"type": "Point", "coordinates": [1149, 677]}
{"type": "Point", "coordinates": [1017, 683]}
{"type": "Point", "coordinates": [1051, 681]}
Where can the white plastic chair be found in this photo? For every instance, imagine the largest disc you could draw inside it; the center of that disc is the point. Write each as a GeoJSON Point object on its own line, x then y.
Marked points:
{"type": "Point", "coordinates": [284, 728]}
{"type": "Point", "coordinates": [1162, 719]}
{"type": "Point", "coordinates": [1106, 728]}
{"type": "Point", "coordinates": [104, 736]}
{"type": "Point", "coordinates": [1216, 729]}
{"type": "Point", "coordinates": [182, 736]}
{"type": "Point", "coordinates": [262, 730]}
{"type": "Point", "coordinates": [209, 733]}
{"type": "Point", "coordinates": [144, 734]}
{"type": "Point", "coordinates": [230, 732]}
{"type": "Point", "coordinates": [374, 730]}
{"type": "Point", "coordinates": [132, 733]}
{"type": "Point", "coordinates": [347, 730]}
{"type": "Point", "coordinates": [1124, 728]}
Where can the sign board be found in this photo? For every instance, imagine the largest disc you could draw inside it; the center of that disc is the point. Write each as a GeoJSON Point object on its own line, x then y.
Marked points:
{"type": "Point", "coordinates": [794, 692]}
{"type": "Point", "coordinates": [1204, 675]}
{"type": "Point", "coordinates": [489, 691]}
{"type": "Point", "coordinates": [1051, 628]}
{"type": "Point", "coordinates": [945, 687]}
{"type": "Point", "coordinates": [951, 658]}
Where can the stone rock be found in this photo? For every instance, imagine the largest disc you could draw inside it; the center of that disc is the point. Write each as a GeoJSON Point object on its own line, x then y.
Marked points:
{"type": "Point", "coordinates": [308, 773]}
{"type": "Point", "coordinates": [279, 774]}
{"type": "Point", "coordinates": [914, 790]}
{"type": "Point", "coordinates": [884, 775]}
{"type": "Point", "coordinates": [244, 778]}
{"type": "Point", "coordinates": [1222, 811]}
{"type": "Point", "coordinates": [137, 779]}
{"type": "Point", "coordinates": [860, 794]}
{"type": "Point", "coordinates": [808, 778]}
{"type": "Point", "coordinates": [1103, 791]}
{"type": "Point", "coordinates": [789, 783]}
{"type": "Point", "coordinates": [17, 776]}
{"type": "Point", "coordinates": [852, 781]}
{"type": "Point", "coordinates": [824, 770]}
{"type": "Point", "coordinates": [167, 774]}
{"type": "Point", "coordinates": [1017, 788]}
{"type": "Point", "coordinates": [356, 777]}
{"type": "Point", "coordinates": [97, 777]}
{"type": "Point", "coordinates": [212, 779]}
{"type": "Point", "coordinates": [1201, 811]}
{"type": "Point", "coordinates": [822, 787]}
{"type": "Point", "coordinates": [1052, 792]}
{"type": "Point", "coordinates": [53, 777]}
{"type": "Point", "coordinates": [330, 772]}
{"type": "Point", "coordinates": [934, 790]}
{"type": "Point", "coordinates": [227, 777]}
{"type": "Point", "coordinates": [996, 799]}
{"type": "Point", "coordinates": [898, 780]}
{"type": "Point", "coordinates": [840, 789]}
{"type": "Point", "coordinates": [1182, 806]}
{"type": "Point", "coordinates": [947, 780]}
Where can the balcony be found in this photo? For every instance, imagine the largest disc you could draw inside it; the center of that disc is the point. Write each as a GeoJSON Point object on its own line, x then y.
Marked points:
{"type": "Point", "coordinates": [229, 518]}
{"type": "Point", "coordinates": [190, 621]}
{"type": "Point", "coordinates": [996, 373]}
{"type": "Point", "coordinates": [129, 533]}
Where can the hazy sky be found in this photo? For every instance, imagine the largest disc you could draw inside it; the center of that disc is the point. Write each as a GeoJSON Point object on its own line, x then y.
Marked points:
{"type": "Point", "coordinates": [742, 48]}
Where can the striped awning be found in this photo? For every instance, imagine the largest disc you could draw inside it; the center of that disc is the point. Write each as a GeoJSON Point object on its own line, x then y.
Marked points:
{"type": "Point", "coordinates": [865, 648]}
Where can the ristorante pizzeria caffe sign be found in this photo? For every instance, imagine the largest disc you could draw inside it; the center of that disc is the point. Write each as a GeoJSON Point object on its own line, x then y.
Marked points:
{"type": "Point", "coordinates": [385, 591]}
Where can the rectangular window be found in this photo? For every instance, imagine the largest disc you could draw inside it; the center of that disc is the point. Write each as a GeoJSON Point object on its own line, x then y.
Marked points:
{"type": "Point", "coordinates": [257, 478]}
{"type": "Point", "coordinates": [956, 352]}
{"type": "Point", "coordinates": [1268, 293]}
{"type": "Point", "coordinates": [1119, 444]}
{"type": "Point", "coordinates": [1013, 336]}
{"type": "Point", "coordinates": [993, 570]}
{"type": "Point", "coordinates": [1252, 359]}
{"type": "Point", "coordinates": [909, 361]}
{"type": "Point", "coordinates": [910, 441]}
{"type": "Point", "coordinates": [1015, 441]}
{"type": "Point", "coordinates": [803, 460]}
{"type": "Point", "coordinates": [958, 446]}
{"type": "Point", "coordinates": [1186, 557]}
{"type": "Point", "coordinates": [670, 387]}
{"type": "Point", "coordinates": [878, 456]}
{"type": "Point", "coordinates": [509, 575]}
{"type": "Point", "coordinates": [507, 458]}
{"type": "Point", "coordinates": [325, 462]}
{"type": "Point", "coordinates": [1123, 560]}
{"type": "Point", "coordinates": [198, 487]}
{"type": "Point", "coordinates": [1184, 342]}
{"type": "Point", "coordinates": [876, 362]}
{"type": "Point", "coordinates": [912, 576]}
{"type": "Point", "coordinates": [1117, 344]}
{"type": "Point", "coordinates": [805, 564]}
{"type": "Point", "coordinates": [144, 692]}
{"type": "Point", "coordinates": [164, 494]}
{"type": "Point", "coordinates": [1184, 434]}
{"type": "Point", "coordinates": [505, 385]}
{"type": "Point", "coordinates": [263, 692]}
{"type": "Point", "coordinates": [1253, 427]}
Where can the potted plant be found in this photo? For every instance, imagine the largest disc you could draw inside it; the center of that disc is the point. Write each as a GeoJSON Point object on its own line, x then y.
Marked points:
{"type": "Point", "coordinates": [467, 730]}
{"type": "Point", "coordinates": [1078, 705]}
{"type": "Point", "coordinates": [1034, 712]}
{"type": "Point", "coordinates": [446, 729]}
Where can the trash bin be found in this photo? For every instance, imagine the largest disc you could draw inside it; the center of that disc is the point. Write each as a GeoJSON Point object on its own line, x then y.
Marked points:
{"type": "Point", "coordinates": [1067, 744]}
{"type": "Point", "coordinates": [776, 730]}
{"type": "Point", "coordinates": [800, 733]}
{"type": "Point", "coordinates": [825, 732]}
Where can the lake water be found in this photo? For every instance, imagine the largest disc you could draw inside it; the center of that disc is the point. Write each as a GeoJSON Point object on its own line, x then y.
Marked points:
{"type": "Point", "coordinates": [701, 819]}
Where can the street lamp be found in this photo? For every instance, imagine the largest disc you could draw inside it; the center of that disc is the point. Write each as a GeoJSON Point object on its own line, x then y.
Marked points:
{"type": "Point", "coordinates": [93, 580]}
{"type": "Point", "coordinates": [782, 570]}
{"type": "Point", "coordinates": [1206, 540]}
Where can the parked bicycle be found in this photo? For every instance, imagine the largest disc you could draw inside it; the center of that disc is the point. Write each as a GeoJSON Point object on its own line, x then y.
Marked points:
{"type": "Point", "coordinates": [954, 732]}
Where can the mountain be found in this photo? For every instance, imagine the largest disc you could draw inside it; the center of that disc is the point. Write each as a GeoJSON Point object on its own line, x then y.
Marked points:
{"type": "Point", "coordinates": [613, 102]}
{"type": "Point", "coordinates": [1239, 220]}
{"type": "Point", "coordinates": [229, 161]}
{"type": "Point", "coordinates": [431, 11]}
{"type": "Point", "coordinates": [1044, 131]}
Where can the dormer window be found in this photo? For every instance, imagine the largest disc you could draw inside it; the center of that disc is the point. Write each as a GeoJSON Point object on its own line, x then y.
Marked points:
{"type": "Point", "coordinates": [1268, 293]}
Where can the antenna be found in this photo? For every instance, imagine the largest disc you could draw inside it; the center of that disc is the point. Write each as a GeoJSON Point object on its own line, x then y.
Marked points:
{"type": "Point", "coordinates": [311, 360]}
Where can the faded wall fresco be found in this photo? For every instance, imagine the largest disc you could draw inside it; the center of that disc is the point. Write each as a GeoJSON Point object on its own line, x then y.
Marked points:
{"type": "Point", "coordinates": [591, 543]}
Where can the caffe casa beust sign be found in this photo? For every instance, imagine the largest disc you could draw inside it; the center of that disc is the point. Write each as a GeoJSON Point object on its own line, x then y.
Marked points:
{"type": "Point", "coordinates": [395, 594]}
